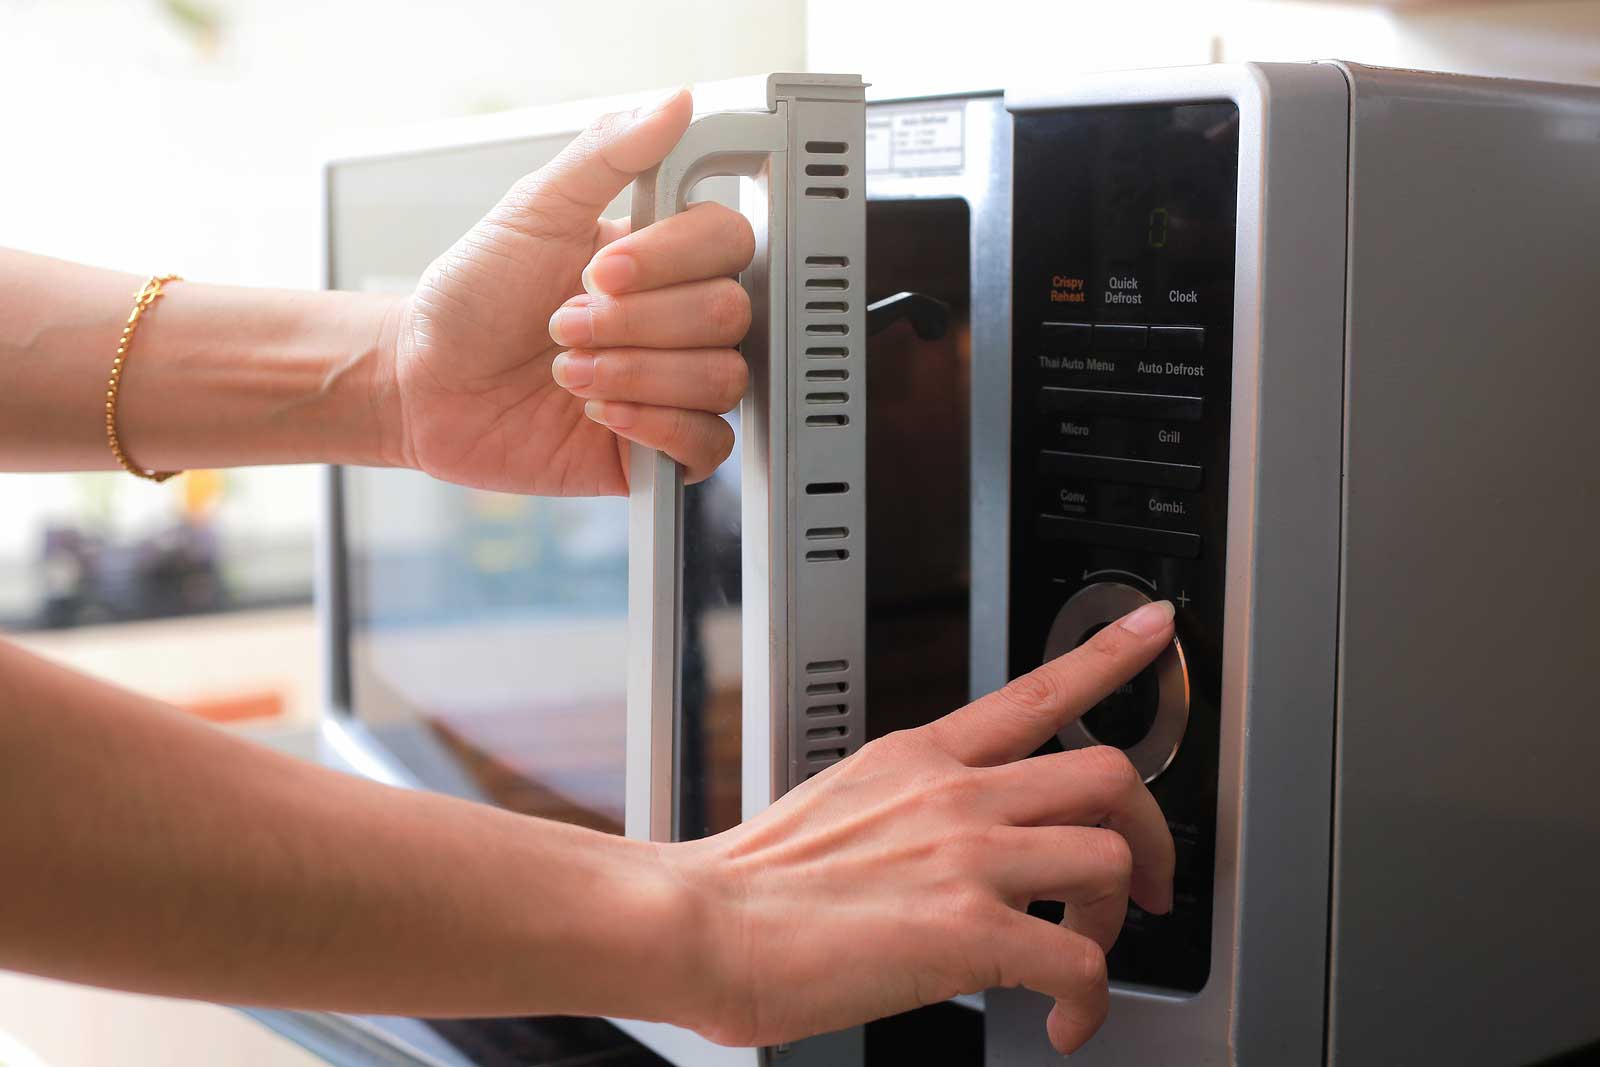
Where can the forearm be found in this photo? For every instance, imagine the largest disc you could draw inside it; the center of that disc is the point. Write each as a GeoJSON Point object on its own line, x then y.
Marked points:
{"type": "Point", "coordinates": [147, 851]}
{"type": "Point", "coordinates": [216, 375]}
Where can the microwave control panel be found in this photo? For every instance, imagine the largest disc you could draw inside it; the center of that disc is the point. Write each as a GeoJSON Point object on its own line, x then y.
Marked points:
{"type": "Point", "coordinates": [1125, 227]}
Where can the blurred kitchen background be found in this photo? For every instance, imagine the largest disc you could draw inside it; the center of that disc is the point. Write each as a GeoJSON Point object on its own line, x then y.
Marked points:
{"type": "Point", "coordinates": [185, 135]}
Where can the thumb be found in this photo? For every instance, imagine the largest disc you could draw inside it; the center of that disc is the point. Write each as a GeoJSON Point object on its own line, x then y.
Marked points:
{"type": "Point", "coordinates": [568, 194]}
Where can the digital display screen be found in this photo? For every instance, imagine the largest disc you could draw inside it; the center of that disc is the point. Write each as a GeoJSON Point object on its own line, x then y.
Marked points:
{"type": "Point", "coordinates": [1143, 197]}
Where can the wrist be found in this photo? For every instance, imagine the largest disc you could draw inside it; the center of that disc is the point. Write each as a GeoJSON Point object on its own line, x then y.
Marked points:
{"type": "Point", "coordinates": [388, 447]}
{"type": "Point", "coordinates": [358, 391]}
{"type": "Point", "coordinates": [709, 935]}
{"type": "Point", "coordinates": [672, 957]}
{"type": "Point", "coordinates": [623, 930]}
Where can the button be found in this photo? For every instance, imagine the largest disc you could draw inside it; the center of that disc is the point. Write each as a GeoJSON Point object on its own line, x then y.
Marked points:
{"type": "Point", "coordinates": [1101, 370]}
{"type": "Point", "coordinates": [1064, 338]}
{"type": "Point", "coordinates": [1162, 372]}
{"type": "Point", "coordinates": [1190, 857]}
{"type": "Point", "coordinates": [1177, 338]}
{"type": "Point", "coordinates": [1189, 288]}
{"type": "Point", "coordinates": [1133, 438]}
{"type": "Point", "coordinates": [1122, 504]}
{"type": "Point", "coordinates": [1076, 430]}
{"type": "Point", "coordinates": [1118, 469]}
{"type": "Point", "coordinates": [1175, 543]}
{"type": "Point", "coordinates": [1057, 400]}
{"type": "Point", "coordinates": [1120, 338]}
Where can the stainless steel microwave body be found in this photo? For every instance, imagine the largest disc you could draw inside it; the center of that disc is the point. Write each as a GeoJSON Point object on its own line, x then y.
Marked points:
{"type": "Point", "coordinates": [1303, 347]}
{"type": "Point", "coordinates": [1328, 387]}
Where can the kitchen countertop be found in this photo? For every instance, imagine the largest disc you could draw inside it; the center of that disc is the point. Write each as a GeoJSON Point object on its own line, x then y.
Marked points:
{"type": "Point", "coordinates": [373, 1041]}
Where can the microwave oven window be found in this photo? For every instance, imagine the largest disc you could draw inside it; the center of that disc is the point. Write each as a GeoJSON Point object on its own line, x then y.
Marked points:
{"type": "Point", "coordinates": [483, 633]}
{"type": "Point", "coordinates": [486, 636]}
{"type": "Point", "coordinates": [710, 694]}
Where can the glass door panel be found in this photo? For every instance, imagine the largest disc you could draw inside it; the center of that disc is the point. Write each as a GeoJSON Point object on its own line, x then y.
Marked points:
{"type": "Point", "coordinates": [482, 637]}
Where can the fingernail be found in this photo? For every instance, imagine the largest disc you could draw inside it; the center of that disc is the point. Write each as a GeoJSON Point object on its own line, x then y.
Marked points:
{"type": "Point", "coordinates": [610, 274]}
{"type": "Point", "coordinates": [572, 326]}
{"type": "Point", "coordinates": [1150, 619]}
{"type": "Point", "coordinates": [618, 416]}
{"type": "Point", "coordinates": [573, 370]}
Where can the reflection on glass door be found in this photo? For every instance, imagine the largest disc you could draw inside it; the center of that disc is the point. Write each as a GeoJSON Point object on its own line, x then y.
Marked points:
{"type": "Point", "coordinates": [486, 637]}
{"type": "Point", "coordinates": [918, 403]}
{"type": "Point", "coordinates": [709, 731]}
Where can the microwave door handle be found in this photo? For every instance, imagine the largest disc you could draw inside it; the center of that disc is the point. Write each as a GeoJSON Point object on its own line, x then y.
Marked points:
{"type": "Point", "coordinates": [723, 144]}
{"type": "Point", "coordinates": [813, 113]}
{"type": "Point", "coordinates": [806, 156]}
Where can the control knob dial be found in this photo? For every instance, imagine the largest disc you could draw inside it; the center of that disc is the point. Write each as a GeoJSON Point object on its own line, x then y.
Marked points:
{"type": "Point", "coordinates": [1147, 717]}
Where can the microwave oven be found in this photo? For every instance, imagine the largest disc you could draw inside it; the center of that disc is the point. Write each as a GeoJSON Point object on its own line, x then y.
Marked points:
{"type": "Point", "coordinates": [1301, 347]}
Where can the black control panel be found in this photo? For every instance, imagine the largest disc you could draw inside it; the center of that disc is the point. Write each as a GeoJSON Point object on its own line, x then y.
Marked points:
{"type": "Point", "coordinates": [1122, 340]}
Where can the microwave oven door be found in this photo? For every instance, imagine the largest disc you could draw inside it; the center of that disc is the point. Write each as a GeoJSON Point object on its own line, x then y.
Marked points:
{"type": "Point", "coordinates": [473, 640]}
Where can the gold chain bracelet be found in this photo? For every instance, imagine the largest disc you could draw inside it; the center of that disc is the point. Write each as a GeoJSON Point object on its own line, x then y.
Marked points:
{"type": "Point", "coordinates": [141, 303]}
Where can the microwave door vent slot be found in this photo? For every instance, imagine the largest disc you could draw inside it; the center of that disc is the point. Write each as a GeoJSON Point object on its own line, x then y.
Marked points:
{"type": "Point", "coordinates": [828, 725]}
{"type": "Point", "coordinates": [825, 380]}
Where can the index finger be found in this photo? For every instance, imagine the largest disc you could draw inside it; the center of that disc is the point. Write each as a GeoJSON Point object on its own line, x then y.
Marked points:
{"type": "Point", "coordinates": [1009, 724]}
{"type": "Point", "coordinates": [706, 241]}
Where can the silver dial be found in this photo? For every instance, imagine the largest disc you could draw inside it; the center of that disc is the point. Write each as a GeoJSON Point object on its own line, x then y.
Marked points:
{"type": "Point", "coordinates": [1151, 751]}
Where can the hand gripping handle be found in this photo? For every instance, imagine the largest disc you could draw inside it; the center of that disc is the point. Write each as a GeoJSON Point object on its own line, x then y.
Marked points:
{"type": "Point", "coordinates": [765, 146]}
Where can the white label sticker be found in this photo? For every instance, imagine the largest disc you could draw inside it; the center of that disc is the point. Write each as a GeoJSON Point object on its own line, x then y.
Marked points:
{"type": "Point", "coordinates": [880, 137]}
{"type": "Point", "coordinates": [913, 142]}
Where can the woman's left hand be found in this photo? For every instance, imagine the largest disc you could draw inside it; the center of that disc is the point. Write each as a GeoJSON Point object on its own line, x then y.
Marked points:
{"type": "Point", "coordinates": [547, 338]}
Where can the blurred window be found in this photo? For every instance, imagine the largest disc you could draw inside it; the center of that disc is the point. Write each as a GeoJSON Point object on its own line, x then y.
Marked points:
{"type": "Point", "coordinates": [84, 549]}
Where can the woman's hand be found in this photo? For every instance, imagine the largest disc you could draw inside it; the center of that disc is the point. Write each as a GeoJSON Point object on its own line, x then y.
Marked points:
{"type": "Point", "coordinates": [901, 876]}
{"type": "Point", "coordinates": [464, 379]}
{"type": "Point", "coordinates": [525, 361]}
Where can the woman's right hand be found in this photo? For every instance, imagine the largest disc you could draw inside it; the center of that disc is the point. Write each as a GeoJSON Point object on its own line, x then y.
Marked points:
{"type": "Point", "coordinates": [901, 876]}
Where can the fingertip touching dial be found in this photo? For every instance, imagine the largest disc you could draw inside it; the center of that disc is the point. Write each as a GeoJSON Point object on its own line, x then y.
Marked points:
{"type": "Point", "coordinates": [1147, 716]}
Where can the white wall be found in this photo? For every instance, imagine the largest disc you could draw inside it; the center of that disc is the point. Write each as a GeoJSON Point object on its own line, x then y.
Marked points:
{"type": "Point", "coordinates": [1548, 41]}
{"type": "Point", "coordinates": [148, 151]}
{"type": "Point", "coordinates": [941, 44]}
{"type": "Point", "coordinates": [131, 141]}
